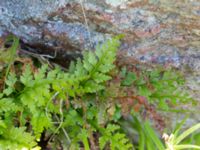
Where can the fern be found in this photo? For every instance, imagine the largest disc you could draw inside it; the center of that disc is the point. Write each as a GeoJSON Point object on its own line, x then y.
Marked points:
{"type": "Point", "coordinates": [35, 96]}
{"type": "Point", "coordinates": [40, 122]}
{"type": "Point", "coordinates": [10, 82]}
{"type": "Point", "coordinates": [91, 72]}
{"type": "Point", "coordinates": [158, 86]}
{"type": "Point", "coordinates": [83, 136]}
{"type": "Point", "coordinates": [116, 139]}
{"type": "Point", "coordinates": [16, 138]}
{"type": "Point", "coordinates": [58, 103]}
{"type": "Point", "coordinates": [7, 105]}
{"type": "Point", "coordinates": [27, 77]}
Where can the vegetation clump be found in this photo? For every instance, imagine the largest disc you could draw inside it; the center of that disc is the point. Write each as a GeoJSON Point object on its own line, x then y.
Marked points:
{"type": "Point", "coordinates": [92, 105]}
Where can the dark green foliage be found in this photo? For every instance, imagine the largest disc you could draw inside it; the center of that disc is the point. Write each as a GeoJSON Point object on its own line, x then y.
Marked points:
{"type": "Point", "coordinates": [116, 139]}
{"type": "Point", "coordinates": [15, 138]}
{"type": "Point", "coordinates": [157, 86]}
{"type": "Point", "coordinates": [129, 79]}
{"type": "Point", "coordinates": [148, 139]}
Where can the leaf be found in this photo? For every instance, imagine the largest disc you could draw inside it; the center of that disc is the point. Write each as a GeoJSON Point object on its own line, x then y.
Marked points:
{"type": "Point", "coordinates": [105, 68]}
{"type": "Point", "coordinates": [117, 115]}
{"type": "Point", "coordinates": [41, 72]}
{"type": "Point", "coordinates": [186, 133]}
{"type": "Point", "coordinates": [150, 132]}
{"type": "Point", "coordinates": [92, 87]}
{"type": "Point", "coordinates": [163, 104]}
{"type": "Point", "coordinates": [79, 71]}
{"type": "Point", "coordinates": [144, 91]}
{"type": "Point", "coordinates": [100, 77]}
{"type": "Point", "coordinates": [72, 67]}
{"type": "Point", "coordinates": [7, 104]}
{"type": "Point", "coordinates": [123, 72]}
{"type": "Point", "coordinates": [8, 91]}
{"type": "Point", "coordinates": [83, 136]}
{"type": "Point", "coordinates": [129, 79]}
{"type": "Point", "coordinates": [179, 125]}
{"type": "Point", "coordinates": [40, 122]}
{"type": "Point", "coordinates": [11, 80]}
{"type": "Point", "coordinates": [27, 77]}
{"type": "Point", "coordinates": [2, 124]}
{"type": "Point", "coordinates": [92, 59]}
{"type": "Point", "coordinates": [116, 139]}
{"type": "Point", "coordinates": [16, 138]}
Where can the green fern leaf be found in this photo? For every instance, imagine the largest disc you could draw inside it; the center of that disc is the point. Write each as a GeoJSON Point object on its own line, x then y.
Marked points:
{"type": "Point", "coordinates": [11, 79]}
{"type": "Point", "coordinates": [83, 136]}
{"type": "Point", "coordinates": [92, 87]}
{"type": "Point", "coordinates": [98, 64]}
{"type": "Point", "coordinates": [40, 122]}
{"type": "Point", "coordinates": [3, 126]}
{"type": "Point", "coordinates": [16, 138]}
{"type": "Point", "coordinates": [27, 77]}
{"type": "Point", "coordinates": [79, 71]}
{"type": "Point", "coordinates": [116, 139]}
{"type": "Point", "coordinates": [100, 77]}
{"type": "Point", "coordinates": [41, 72]}
{"type": "Point", "coordinates": [10, 82]}
{"type": "Point", "coordinates": [7, 104]}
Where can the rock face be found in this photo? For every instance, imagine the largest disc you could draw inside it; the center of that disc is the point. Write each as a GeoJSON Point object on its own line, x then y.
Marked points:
{"type": "Point", "coordinates": [157, 31]}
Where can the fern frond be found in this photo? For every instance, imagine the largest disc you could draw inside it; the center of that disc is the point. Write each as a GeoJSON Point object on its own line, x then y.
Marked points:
{"type": "Point", "coordinates": [83, 136]}
{"type": "Point", "coordinates": [115, 139]}
{"type": "Point", "coordinates": [10, 82]}
{"type": "Point", "coordinates": [7, 104]}
{"type": "Point", "coordinates": [16, 138]}
{"type": "Point", "coordinates": [40, 122]}
{"type": "Point", "coordinates": [35, 97]}
{"type": "Point", "coordinates": [27, 76]}
{"type": "Point", "coordinates": [41, 73]}
{"type": "Point", "coordinates": [92, 71]}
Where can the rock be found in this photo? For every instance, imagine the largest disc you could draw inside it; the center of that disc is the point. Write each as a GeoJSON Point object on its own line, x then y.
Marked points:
{"type": "Point", "coordinates": [156, 31]}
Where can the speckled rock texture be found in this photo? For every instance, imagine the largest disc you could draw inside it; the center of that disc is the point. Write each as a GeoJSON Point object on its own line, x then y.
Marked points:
{"type": "Point", "coordinates": [165, 32]}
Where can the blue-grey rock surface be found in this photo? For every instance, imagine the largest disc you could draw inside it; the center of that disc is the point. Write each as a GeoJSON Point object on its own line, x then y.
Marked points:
{"type": "Point", "coordinates": [165, 32]}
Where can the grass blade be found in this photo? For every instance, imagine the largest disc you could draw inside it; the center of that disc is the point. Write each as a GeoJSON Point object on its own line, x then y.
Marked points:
{"type": "Point", "coordinates": [186, 133]}
{"type": "Point", "coordinates": [151, 133]}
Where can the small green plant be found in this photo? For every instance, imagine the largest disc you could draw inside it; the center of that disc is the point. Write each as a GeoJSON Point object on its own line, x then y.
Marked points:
{"type": "Point", "coordinates": [157, 86]}
{"type": "Point", "coordinates": [173, 141]}
{"type": "Point", "coordinates": [147, 137]}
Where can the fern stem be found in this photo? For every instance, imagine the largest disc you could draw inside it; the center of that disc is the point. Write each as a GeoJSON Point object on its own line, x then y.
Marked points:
{"type": "Point", "coordinates": [61, 120]}
{"type": "Point", "coordinates": [64, 131]}
{"type": "Point", "coordinates": [46, 108]}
